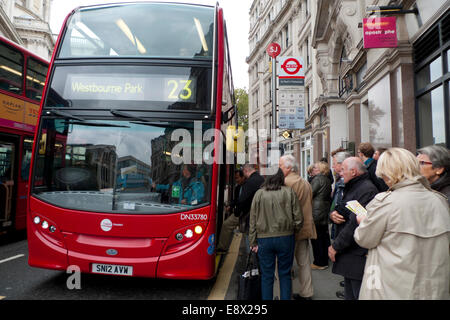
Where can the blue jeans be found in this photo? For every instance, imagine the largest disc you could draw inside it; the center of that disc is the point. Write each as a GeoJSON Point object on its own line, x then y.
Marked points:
{"type": "Point", "coordinates": [270, 249]}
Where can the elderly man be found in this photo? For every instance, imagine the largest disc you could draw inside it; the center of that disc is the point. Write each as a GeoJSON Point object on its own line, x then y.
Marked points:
{"type": "Point", "coordinates": [338, 159]}
{"type": "Point", "coordinates": [349, 258]}
{"type": "Point", "coordinates": [304, 192]}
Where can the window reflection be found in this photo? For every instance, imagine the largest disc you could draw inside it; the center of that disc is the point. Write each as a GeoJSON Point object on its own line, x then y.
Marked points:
{"type": "Point", "coordinates": [120, 166]}
{"type": "Point", "coordinates": [123, 30]}
{"type": "Point", "coordinates": [432, 117]}
{"type": "Point", "coordinates": [429, 73]}
{"type": "Point", "coordinates": [11, 63]}
{"type": "Point", "coordinates": [380, 128]}
{"type": "Point", "coordinates": [448, 60]}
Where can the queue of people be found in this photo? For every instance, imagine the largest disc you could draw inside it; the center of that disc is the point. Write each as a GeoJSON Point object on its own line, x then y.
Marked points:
{"type": "Point", "coordinates": [398, 249]}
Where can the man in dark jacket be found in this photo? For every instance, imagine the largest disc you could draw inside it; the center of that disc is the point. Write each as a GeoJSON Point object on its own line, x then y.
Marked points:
{"type": "Point", "coordinates": [232, 221]}
{"type": "Point", "coordinates": [252, 184]}
{"type": "Point", "coordinates": [349, 258]}
{"type": "Point", "coordinates": [321, 191]}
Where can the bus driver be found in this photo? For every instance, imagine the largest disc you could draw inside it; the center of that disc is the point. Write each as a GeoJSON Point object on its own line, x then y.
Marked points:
{"type": "Point", "coordinates": [188, 190]}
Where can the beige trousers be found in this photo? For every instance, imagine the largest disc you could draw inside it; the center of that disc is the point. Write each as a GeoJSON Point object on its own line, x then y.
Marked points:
{"type": "Point", "coordinates": [302, 256]}
{"type": "Point", "coordinates": [226, 233]}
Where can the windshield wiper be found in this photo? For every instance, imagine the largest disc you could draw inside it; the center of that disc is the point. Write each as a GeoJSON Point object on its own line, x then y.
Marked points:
{"type": "Point", "coordinates": [97, 124]}
{"type": "Point", "coordinates": [127, 115]}
{"type": "Point", "coordinates": [64, 114]}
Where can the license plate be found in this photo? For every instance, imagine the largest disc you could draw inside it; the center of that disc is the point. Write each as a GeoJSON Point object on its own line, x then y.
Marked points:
{"type": "Point", "coordinates": [112, 269]}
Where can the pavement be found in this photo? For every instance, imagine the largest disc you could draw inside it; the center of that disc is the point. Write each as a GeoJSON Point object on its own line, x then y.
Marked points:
{"type": "Point", "coordinates": [325, 283]}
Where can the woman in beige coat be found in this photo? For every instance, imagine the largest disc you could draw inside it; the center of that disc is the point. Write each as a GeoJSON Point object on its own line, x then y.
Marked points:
{"type": "Point", "coordinates": [407, 233]}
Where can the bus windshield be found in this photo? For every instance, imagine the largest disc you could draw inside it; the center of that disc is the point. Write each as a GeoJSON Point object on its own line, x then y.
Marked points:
{"type": "Point", "coordinates": [117, 166]}
{"type": "Point", "coordinates": [140, 30]}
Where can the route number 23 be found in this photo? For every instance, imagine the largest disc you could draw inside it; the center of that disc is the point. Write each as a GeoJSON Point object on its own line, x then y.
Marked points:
{"type": "Point", "coordinates": [179, 89]}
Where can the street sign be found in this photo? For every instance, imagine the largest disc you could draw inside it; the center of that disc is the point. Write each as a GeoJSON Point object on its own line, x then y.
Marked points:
{"type": "Point", "coordinates": [291, 71]}
{"type": "Point", "coordinates": [291, 114]}
{"type": "Point", "coordinates": [291, 98]}
{"type": "Point", "coordinates": [273, 49]}
{"type": "Point", "coordinates": [380, 32]}
{"type": "Point", "coordinates": [291, 66]}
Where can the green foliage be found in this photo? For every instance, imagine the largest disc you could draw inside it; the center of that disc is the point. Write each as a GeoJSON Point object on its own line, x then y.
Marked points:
{"type": "Point", "coordinates": [241, 96]}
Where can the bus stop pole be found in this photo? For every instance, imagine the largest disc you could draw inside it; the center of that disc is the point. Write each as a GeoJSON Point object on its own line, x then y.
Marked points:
{"type": "Point", "coordinates": [273, 145]}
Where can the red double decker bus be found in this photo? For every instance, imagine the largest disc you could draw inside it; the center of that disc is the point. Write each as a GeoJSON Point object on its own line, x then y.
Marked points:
{"type": "Point", "coordinates": [128, 176]}
{"type": "Point", "coordinates": [22, 79]}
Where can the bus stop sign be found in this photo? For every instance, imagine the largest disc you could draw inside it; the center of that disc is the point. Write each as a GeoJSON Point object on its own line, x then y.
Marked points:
{"type": "Point", "coordinates": [273, 49]}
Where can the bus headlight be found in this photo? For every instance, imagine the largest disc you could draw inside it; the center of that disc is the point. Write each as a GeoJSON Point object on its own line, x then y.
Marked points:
{"type": "Point", "coordinates": [185, 237]}
{"type": "Point", "coordinates": [188, 233]}
{"type": "Point", "coordinates": [37, 220]}
{"type": "Point", "coordinates": [198, 229]}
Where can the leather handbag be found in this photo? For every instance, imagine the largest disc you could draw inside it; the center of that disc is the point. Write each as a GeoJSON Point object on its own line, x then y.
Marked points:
{"type": "Point", "coordinates": [249, 287]}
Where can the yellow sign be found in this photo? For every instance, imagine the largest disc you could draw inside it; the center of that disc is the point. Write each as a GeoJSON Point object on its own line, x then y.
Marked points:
{"type": "Point", "coordinates": [18, 110]}
{"type": "Point", "coordinates": [286, 135]}
{"type": "Point", "coordinates": [42, 143]}
{"type": "Point", "coordinates": [235, 140]}
{"type": "Point", "coordinates": [31, 113]}
{"type": "Point", "coordinates": [11, 108]}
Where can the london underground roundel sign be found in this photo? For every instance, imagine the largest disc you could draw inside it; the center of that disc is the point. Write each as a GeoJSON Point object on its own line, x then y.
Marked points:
{"type": "Point", "coordinates": [291, 66]}
{"type": "Point", "coordinates": [291, 71]}
{"type": "Point", "coordinates": [273, 49]}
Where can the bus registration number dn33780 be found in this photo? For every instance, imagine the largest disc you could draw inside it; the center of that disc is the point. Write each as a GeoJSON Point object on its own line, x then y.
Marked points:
{"type": "Point", "coordinates": [112, 269]}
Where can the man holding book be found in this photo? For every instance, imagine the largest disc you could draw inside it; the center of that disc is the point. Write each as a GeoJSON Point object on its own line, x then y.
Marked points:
{"type": "Point", "coordinates": [348, 257]}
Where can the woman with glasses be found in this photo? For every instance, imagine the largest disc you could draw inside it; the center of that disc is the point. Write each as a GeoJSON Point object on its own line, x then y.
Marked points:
{"type": "Point", "coordinates": [407, 233]}
{"type": "Point", "coordinates": [435, 166]}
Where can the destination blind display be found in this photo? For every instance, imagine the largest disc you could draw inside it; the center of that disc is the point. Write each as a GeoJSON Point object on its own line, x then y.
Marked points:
{"type": "Point", "coordinates": [173, 88]}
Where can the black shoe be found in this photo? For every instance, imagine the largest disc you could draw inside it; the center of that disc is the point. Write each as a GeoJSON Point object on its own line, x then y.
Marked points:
{"type": "Point", "coordinates": [340, 294]}
{"type": "Point", "coordinates": [342, 284]}
{"type": "Point", "coordinates": [296, 296]}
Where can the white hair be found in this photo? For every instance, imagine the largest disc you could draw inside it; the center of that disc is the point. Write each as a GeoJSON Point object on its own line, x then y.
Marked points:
{"type": "Point", "coordinates": [289, 162]}
{"type": "Point", "coordinates": [341, 156]}
{"type": "Point", "coordinates": [355, 163]}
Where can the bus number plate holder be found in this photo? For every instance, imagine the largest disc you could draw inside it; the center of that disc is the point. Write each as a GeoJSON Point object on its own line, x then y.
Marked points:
{"type": "Point", "coordinates": [112, 269]}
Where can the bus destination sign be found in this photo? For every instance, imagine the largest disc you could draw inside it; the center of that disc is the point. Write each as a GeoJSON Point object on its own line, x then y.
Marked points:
{"type": "Point", "coordinates": [130, 88]}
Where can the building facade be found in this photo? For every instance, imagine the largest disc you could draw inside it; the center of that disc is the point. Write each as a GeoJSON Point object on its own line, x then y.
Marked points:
{"type": "Point", "coordinates": [26, 22]}
{"type": "Point", "coordinates": [288, 23]}
{"type": "Point", "coordinates": [386, 96]}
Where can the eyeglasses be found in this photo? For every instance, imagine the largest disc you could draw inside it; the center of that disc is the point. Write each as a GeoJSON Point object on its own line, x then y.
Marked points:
{"type": "Point", "coordinates": [422, 163]}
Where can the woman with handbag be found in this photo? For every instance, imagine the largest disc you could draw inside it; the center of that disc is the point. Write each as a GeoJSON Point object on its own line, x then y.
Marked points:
{"type": "Point", "coordinates": [275, 216]}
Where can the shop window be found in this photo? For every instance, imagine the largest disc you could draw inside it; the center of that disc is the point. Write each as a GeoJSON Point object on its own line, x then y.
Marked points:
{"type": "Point", "coordinates": [431, 64]}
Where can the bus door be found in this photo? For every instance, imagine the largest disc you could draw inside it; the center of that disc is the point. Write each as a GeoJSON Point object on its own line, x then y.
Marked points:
{"type": "Point", "coordinates": [8, 149]}
{"type": "Point", "coordinates": [22, 182]}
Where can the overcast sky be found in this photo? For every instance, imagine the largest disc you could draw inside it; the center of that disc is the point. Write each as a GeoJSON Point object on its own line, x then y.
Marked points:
{"type": "Point", "coordinates": [235, 12]}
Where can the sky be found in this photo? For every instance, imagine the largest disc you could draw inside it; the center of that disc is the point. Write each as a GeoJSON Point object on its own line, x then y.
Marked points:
{"type": "Point", "coordinates": [235, 13]}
